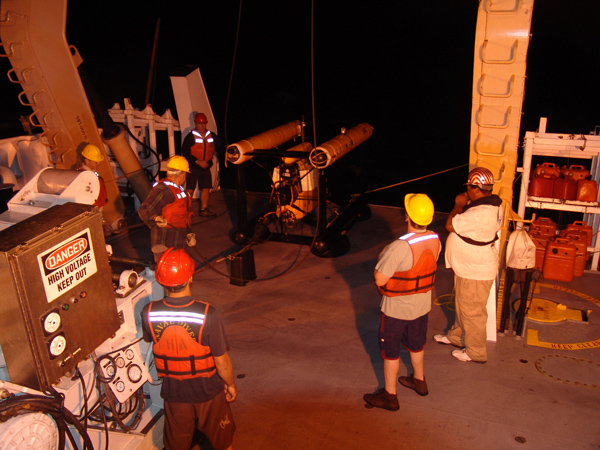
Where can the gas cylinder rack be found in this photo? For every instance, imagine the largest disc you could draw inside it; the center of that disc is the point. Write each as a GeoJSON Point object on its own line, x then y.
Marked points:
{"type": "Point", "coordinates": [575, 146]}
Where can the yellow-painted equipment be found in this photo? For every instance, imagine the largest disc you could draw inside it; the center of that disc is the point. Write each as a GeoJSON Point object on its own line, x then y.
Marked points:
{"type": "Point", "coordinates": [239, 152]}
{"type": "Point", "coordinates": [547, 311]}
{"type": "Point", "coordinates": [329, 152]}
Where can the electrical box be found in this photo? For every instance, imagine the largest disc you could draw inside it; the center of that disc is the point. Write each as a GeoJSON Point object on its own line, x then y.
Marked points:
{"type": "Point", "coordinates": [58, 302]}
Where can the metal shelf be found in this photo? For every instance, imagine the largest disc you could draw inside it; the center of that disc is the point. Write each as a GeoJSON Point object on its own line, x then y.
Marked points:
{"type": "Point", "coordinates": [579, 146]}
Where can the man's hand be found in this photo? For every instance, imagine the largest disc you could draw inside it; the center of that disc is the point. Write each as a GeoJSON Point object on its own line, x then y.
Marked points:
{"type": "Point", "coordinates": [190, 239]}
{"type": "Point", "coordinates": [461, 200]}
{"type": "Point", "coordinates": [203, 164]}
{"type": "Point", "coordinates": [230, 392]}
{"type": "Point", "coordinates": [161, 222]}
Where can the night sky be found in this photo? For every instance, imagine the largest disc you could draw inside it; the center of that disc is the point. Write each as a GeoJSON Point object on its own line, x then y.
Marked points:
{"type": "Point", "coordinates": [404, 67]}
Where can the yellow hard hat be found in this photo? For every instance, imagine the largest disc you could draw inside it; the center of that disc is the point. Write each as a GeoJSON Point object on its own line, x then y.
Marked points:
{"type": "Point", "coordinates": [178, 163]}
{"type": "Point", "coordinates": [419, 208]}
{"type": "Point", "coordinates": [92, 153]}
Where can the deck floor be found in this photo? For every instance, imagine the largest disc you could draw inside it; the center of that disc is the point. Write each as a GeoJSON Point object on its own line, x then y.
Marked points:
{"type": "Point", "coordinates": [303, 340]}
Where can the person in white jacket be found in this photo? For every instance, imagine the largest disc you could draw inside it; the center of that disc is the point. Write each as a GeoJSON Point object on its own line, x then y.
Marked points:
{"type": "Point", "coordinates": [473, 224]}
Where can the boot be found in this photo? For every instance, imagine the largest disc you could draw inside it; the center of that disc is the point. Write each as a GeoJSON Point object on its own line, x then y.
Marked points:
{"type": "Point", "coordinates": [381, 399]}
{"type": "Point", "coordinates": [419, 386]}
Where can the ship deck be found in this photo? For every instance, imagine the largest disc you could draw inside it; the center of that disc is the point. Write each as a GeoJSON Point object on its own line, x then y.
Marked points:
{"type": "Point", "coordinates": [303, 341]}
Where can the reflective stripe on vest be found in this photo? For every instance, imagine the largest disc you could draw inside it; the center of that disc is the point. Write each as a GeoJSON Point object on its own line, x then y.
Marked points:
{"type": "Point", "coordinates": [421, 277]}
{"type": "Point", "coordinates": [177, 336]}
{"type": "Point", "coordinates": [199, 139]}
{"type": "Point", "coordinates": [204, 147]}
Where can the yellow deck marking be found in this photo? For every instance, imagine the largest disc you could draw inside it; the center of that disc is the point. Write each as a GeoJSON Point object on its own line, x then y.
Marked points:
{"type": "Point", "coordinates": [533, 335]}
{"type": "Point", "coordinates": [533, 339]}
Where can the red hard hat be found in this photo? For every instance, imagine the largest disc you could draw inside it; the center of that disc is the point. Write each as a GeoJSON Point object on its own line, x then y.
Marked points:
{"type": "Point", "coordinates": [174, 267]}
{"type": "Point", "coordinates": [200, 118]}
{"type": "Point", "coordinates": [481, 177]}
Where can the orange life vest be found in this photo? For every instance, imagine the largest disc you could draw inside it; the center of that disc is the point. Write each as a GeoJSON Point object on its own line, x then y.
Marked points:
{"type": "Point", "coordinates": [204, 146]}
{"type": "Point", "coordinates": [178, 213]}
{"type": "Point", "coordinates": [421, 277]}
{"type": "Point", "coordinates": [177, 335]}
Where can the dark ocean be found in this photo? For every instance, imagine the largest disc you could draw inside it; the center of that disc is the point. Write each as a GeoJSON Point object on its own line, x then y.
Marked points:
{"type": "Point", "coordinates": [404, 67]}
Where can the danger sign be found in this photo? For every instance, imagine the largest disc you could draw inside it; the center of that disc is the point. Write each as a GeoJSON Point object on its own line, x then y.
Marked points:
{"type": "Point", "coordinates": [67, 264]}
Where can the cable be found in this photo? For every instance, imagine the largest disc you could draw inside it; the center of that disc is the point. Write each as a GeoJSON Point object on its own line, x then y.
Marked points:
{"type": "Point", "coordinates": [449, 304]}
{"type": "Point", "coordinates": [147, 147]}
{"type": "Point", "coordinates": [237, 35]}
{"type": "Point", "coordinates": [414, 179]}
{"type": "Point", "coordinates": [52, 403]}
{"type": "Point", "coordinates": [107, 394]}
{"type": "Point", "coordinates": [85, 397]}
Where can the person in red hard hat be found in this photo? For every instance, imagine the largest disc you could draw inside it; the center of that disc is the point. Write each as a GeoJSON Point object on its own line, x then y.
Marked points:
{"type": "Point", "coordinates": [168, 210]}
{"type": "Point", "coordinates": [198, 148]}
{"type": "Point", "coordinates": [405, 276]}
{"type": "Point", "coordinates": [471, 253]}
{"type": "Point", "coordinates": [190, 355]}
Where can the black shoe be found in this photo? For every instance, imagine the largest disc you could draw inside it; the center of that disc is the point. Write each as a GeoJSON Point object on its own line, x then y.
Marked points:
{"type": "Point", "coordinates": [420, 387]}
{"type": "Point", "coordinates": [381, 399]}
{"type": "Point", "coordinates": [206, 213]}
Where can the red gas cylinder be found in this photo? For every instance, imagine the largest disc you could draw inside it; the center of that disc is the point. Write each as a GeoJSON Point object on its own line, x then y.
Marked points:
{"type": "Point", "coordinates": [545, 226]}
{"type": "Point", "coordinates": [547, 168]}
{"type": "Point", "coordinates": [565, 188]}
{"type": "Point", "coordinates": [575, 171]}
{"type": "Point", "coordinates": [541, 186]}
{"type": "Point", "coordinates": [580, 225]}
{"type": "Point", "coordinates": [559, 260]}
{"type": "Point", "coordinates": [540, 242]}
{"type": "Point", "coordinates": [587, 191]}
{"type": "Point", "coordinates": [581, 254]}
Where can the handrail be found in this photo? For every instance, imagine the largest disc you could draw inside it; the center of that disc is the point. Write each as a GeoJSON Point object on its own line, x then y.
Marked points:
{"type": "Point", "coordinates": [504, 125]}
{"type": "Point", "coordinates": [22, 102]}
{"type": "Point", "coordinates": [509, 89]}
{"type": "Point", "coordinates": [39, 124]}
{"type": "Point", "coordinates": [489, 10]}
{"type": "Point", "coordinates": [10, 47]}
{"type": "Point", "coordinates": [502, 153]}
{"type": "Point", "coordinates": [502, 172]}
{"type": "Point", "coordinates": [500, 61]}
{"type": "Point", "coordinates": [7, 16]}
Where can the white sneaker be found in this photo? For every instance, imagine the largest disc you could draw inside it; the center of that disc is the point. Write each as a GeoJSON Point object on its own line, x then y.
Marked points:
{"type": "Point", "coordinates": [461, 355]}
{"type": "Point", "coordinates": [441, 339]}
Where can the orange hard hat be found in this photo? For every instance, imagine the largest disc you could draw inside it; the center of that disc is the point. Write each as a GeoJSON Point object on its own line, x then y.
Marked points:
{"type": "Point", "coordinates": [174, 268]}
{"type": "Point", "coordinates": [200, 118]}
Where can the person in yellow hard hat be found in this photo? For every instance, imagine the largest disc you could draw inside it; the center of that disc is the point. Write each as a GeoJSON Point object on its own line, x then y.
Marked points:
{"type": "Point", "coordinates": [167, 210]}
{"type": "Point", "coordinates": [92, 157]}
{"type": "Point", "coordinates": [405, 275]}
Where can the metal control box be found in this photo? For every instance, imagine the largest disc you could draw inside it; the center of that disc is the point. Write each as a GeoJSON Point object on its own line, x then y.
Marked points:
{"type": "Point", "coordinates": [57, 299]}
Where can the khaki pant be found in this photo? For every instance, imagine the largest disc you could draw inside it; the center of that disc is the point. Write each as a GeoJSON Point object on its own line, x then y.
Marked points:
{"type": "Point", "coordinates": [469, 329]}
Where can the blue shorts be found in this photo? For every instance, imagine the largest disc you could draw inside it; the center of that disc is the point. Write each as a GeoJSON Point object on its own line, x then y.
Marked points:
{"type": "Point", "coordinates": [411, 334]}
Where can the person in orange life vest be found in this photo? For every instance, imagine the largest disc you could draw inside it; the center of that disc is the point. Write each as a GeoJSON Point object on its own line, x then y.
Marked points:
{"type": "Point", "coordinates": [167, 210]}
{"type": "Point", "coordinates": [405, 276]}
{"type": "Point", "coordinates": [92, 157]}
{"type": "Point", "coordinates": [190, 355]}
{"type": "Point", "coordinates": [198, 148]}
